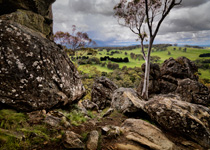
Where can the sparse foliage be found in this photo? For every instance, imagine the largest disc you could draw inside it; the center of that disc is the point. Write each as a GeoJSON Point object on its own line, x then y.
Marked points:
{"type": "Point", "coordinates": [74, 40]}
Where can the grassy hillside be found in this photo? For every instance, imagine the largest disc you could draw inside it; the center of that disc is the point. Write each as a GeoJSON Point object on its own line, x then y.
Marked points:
{"type": "Point", "coordinates": [175, 52]}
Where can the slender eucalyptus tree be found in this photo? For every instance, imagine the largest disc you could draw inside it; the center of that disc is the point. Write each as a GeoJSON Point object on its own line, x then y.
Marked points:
{"type": "Point", "coordinates": [144, 18]}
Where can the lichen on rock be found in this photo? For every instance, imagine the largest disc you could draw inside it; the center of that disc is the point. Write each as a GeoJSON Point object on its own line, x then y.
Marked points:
{"type": "Point", "coordinates": [39, 71]}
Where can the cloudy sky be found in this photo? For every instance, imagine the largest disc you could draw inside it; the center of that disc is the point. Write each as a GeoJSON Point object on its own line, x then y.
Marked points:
{"type": "Point", "coordinates": [187, 24]}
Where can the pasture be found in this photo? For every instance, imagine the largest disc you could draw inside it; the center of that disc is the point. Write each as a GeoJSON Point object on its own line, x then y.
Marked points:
{"type": "Point", "coordinates": [171, 51]}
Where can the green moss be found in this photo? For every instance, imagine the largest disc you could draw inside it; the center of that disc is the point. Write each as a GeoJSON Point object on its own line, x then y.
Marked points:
{"type": "Point", "coordinates": [84, 136]}
{"type": "Point", "coordinates": [10, 119]}
{"type": "Point", "coordinates": [76, 117]}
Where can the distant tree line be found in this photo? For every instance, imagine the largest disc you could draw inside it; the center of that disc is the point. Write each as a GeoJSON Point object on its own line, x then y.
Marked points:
{"type": "Point", "coordinates": [193, 46]}
{"type": "Point", "coordinates": [125, 60]}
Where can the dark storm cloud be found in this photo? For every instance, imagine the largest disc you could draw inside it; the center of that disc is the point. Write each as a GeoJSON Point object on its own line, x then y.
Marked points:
{"type": "Point", "coordinates": [188, 19]}
{"type": "Point", "coordinates": [189, 22]}
{"type": "Point", "coordinates": [103, 7]}
{"type": "Point", "coordinates": [193, 3]}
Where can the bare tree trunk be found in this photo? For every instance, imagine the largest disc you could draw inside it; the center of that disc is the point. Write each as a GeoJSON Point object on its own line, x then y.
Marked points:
{"type": "Point", "coordinates": [147, 73]}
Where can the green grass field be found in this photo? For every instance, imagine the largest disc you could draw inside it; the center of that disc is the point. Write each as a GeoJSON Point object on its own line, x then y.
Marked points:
{"type": "Point", "coordinates": [191, 53]}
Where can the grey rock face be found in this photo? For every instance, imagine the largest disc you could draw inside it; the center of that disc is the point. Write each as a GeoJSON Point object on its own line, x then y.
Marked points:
{"type": "Point", "coordinates": [189, 120]}
{"type": "Point", "coordinates": [177, 76]}
{"type": "Point", "coordinates": [35, 14]}
{"type": "Point", "coordinates": [180, 68]}
{"type": "Point", "coordinates": [125, 100]}
{"type": "Point", "coordinates": [102, 92]}
{"type": "Point", "coordinates": [35, 73]}
{"type": "Point", "coordinates": [92, 143]}
{"type": "Point", "coordinates": [147, 134]}
{"type": "Point", "coordinates": [72, 141]}
{"type": "Point", "coordinates": [193, 92]}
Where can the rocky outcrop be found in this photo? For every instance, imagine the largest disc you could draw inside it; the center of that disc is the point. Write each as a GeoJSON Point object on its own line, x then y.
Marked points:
{"type": "Point", "coordinates": [35, 72]}
{"type": "Point", "coordinates": [102, 92]}
{"type": "Point", "coordinates": [125, 100]}
{"type": "Point", "coordinates": [180, 68]}
{"type": "Point", "coordinates": [193, 92]}
{"type": "Point", "coordinates": [35, 14]}
{"type": "Point", "coordinates": [146, 134]}
{"type": "Point", "coordinates": [177, 76]}
{"type": "Point", "coordinates": [189, 120]}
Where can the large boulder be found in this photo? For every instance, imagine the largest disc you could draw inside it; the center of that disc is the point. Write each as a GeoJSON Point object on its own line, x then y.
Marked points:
{"type": "Point", "coordinates": [189, 120]}
{"type": "Point", "coordinates": [193, 92]}
{"type": "Point", "coordinates": [180, 68]}
{"type": "Point", "coordinates": [146, 135]}
{"type": "Point", "coordinates": [125, 100]}
{"type": "Point", "coordinates": [35, 72]}
{"type": "Point", "coordinates": [177, 76]}
{"type": "Point", "coordinates": [35, 14]}
{"type": "Point", "coordinates": [102, 92]}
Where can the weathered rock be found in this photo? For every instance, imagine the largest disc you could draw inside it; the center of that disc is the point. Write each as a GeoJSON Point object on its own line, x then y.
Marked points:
{"type": "Point", "coordinates": [193, 92]}
{"type": "Point", "coordinates": [108, 112]}
{"type": "Point", "coordinates": [146, 134]}
{"type": "Point", "coordinates": [89, 105]}
{"type": "Point", "coordinates": [35, 73]}
{"type": "Point", "coordinates": [120, 146]}
{"type": "Point", "coordinates": [125, 100]}
{"type": "Point", "coordinates": [179, 68]}
{"type": "Point", "coordinates": [154, 70]}
{"type": "Point", "coordinates": [52, 121]}
{"type": "Point", "coordinates": [102, 92]}
{"type": "Point", "coordinates": [72, 141]}
{"type": "Point", "coordinates": [35, 14]}
{"type": "Point", "coordinates": [36, 116]}
{"type": "Point", "coordinates": [189, 120]}
{"type": "Point", "coordinates": [168, 84]}
{"type": "Point", "coordinates": [111, 131]}
{"type": "Point", "coordinates": [31, 20]}
{"type": "Point", "coordinates": [92, 143]}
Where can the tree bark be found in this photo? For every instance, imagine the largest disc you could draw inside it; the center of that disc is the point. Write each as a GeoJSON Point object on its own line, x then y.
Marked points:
{"type": "Point", "coordinates": [147, 72]}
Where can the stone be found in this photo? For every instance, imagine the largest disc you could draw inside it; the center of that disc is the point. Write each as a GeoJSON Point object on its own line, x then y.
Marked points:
{"type": "Point", "coordinates": [193, 92]}
{"type": "Point", "coordinates": [125, 100]}
{"type": "Point", "coordinates": [72, 140]}
{"type": "Point", "coordinates": [35, 14]}
{"type": "Point", "coordinates": [36, 116]}
{"type": "Point", "coordinates": [108, 112]}
{"type": "Point", "coordinates": [89, 105]}
{"type": "Point", "coordinates": [180, 68]}
{"type": "Point", "coordinates": [189, 120]}
{"type": "Point", "coordinates": [168, 84]}
{"type": "Point", "coordinates": [111, 131]}
{"type": "Point", "coordinates": [31, 20]}
{"type": "Point", "coordinates": [146, 134]}
{"type": "Point", "coordinates": [52, 121]}
{"type": "Point", "coordinates": [121, 146]}
{"type": "Point", "coordinates": [102, 92]}
{"type": "Point", "coordinates": [35, 73]}
{"type": "Point", "coordinates": [92, 143]}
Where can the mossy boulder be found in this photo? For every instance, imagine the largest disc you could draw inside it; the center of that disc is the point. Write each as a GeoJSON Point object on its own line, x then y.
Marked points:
{"type": "Point", "coordinates": [35, 14]}
{"type": "Point", "coordinates": [31, 20]}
